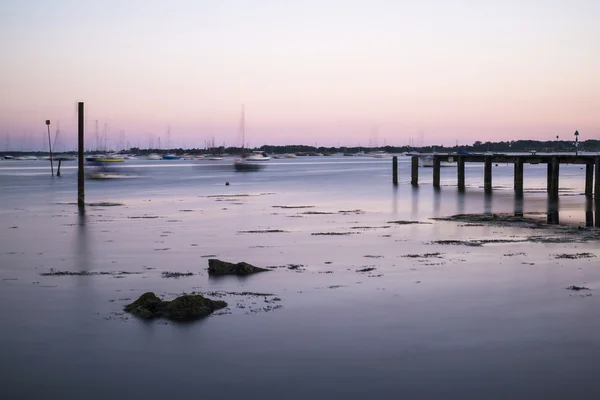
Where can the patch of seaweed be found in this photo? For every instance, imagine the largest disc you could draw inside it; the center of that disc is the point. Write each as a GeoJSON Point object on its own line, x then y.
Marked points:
{"type": "Point", "coordinates": [105, 204]}
{"type": "Point", "coordinates": [86, 273]}
{"type": "Point", "coordinates": [169, 274]}
{"type": "Point", "coordinates": [577, 288]}
{"type": "Point", "coordinates": [265, 231]}
{"type": "Point", "coordinates": [334, 233]}
{"type": "Point", "coordinates": [366, 269]}
{"type": "Point", "coordinates": [425, 255]}
{"type": "Point", "coordinates": [574, 256]}
{"type": "Point", "coordinates": [409, 222]}
{"type": "Point", "coordinates": [290, 207]}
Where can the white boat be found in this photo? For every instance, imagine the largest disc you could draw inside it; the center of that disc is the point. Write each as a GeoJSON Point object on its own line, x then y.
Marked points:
{"type": "Point", "coordinates": [213, 158]}
{"type": "Point", "coordinates": [253, 161]}
{"type": "Point", "coordinates": [426, 161]}
{"type": "Point", "coordinates": [154, 156]}
{"type": "Point", "coordinates": [378, 154]}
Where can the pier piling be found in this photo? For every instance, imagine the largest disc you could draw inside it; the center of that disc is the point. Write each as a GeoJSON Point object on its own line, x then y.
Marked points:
{"type": "Point", "coordinates": [597, 180]}
{"type": "Point", "coordinates": [554, 168]}
{"type": "Point", "coordinates": [589, 179]}
{"type": "Point", "coordinates": [395, 170]}
{"type": "Point", "coordinates": [461, 172]}
{"type": "Point", "coordinates": [487, 175]}
{"type": "Point", "coordinates": [414, 171]}
{"type": "Point", "coordinates": [518, 175]}
{"type": "Point", "coordinates": [436, 171]}
{"type": "Point", "coordinates": [80, 153]}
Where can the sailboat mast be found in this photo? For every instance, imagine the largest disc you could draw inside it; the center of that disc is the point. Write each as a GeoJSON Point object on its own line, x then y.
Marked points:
{"type": "Point", "coordinates": [243, 127]}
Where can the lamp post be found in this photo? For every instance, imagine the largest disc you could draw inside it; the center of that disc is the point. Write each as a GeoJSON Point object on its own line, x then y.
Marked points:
{"type": "Point", "coordinates": [576, 142]}
{"type": "Point", "coordinates": [50, 147]}
{"type": "Point", "coordinates": [557, 143]}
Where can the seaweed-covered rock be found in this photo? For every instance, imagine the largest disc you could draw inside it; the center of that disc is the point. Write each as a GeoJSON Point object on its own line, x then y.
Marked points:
{"type": "Point", "coordinates": [218, 267]}
{"type": "Point", "coordinates": [146, 306]}
{"type": "Point", "coordinates": [184, 308]}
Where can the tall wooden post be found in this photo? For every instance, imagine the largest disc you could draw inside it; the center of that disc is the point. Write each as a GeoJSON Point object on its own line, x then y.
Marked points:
{"type": "Point", "coordinates": [81, 159]}
{"type": "Point", "coordinates": [487, 175]}
{"type": "Point", "coordinates": [461, 172]}
{"type": "Point", "coordinates": [589, 179]}
{"type": "Point", "coordinates": [436, 171]}
{"type": "Point", "coordinates": [555, 168]}
{"type": "Point", "coordinates": [414, 171]}
{"type": "Point", "coordinates": [518, 175]}
{"type": "Point", "coordinates": [395, 170]}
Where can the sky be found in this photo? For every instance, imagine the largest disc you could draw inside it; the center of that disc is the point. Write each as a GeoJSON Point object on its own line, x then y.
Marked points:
{"type": "Point", "coordinates": [324, 72]}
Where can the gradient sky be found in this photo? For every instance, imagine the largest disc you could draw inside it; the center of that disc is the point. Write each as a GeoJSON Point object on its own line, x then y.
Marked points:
{"type": "Point", "coordinates": [329, 72]}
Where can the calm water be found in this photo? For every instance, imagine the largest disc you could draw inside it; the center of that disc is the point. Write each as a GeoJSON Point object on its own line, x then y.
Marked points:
{"type": "Point", "coordinates": [471, 323]}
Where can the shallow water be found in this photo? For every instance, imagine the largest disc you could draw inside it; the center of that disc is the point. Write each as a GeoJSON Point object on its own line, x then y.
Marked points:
{"type": "Point", "coordinates": [470, 323]}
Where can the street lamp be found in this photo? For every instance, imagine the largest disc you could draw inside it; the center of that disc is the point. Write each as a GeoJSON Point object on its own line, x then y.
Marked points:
{"type": "Point", "coordinates": [556, 142]}
{"type": "Point", "coordinates": [576, 142]}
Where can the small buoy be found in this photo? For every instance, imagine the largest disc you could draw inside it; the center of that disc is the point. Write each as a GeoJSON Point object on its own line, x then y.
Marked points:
{"type": "Point", "coordinates": [226, 183]}
{"type": "Point", "coordinates": [496, 165]}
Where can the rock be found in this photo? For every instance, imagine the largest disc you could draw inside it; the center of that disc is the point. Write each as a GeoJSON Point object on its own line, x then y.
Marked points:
{"type": "Point", "coordinates": [218, 267]}
{"type": "Point", "coordinates": [184, 308]}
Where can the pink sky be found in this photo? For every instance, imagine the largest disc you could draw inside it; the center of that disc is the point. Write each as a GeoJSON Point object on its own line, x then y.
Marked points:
{"type": "Point", "coordinates": [326, 72]}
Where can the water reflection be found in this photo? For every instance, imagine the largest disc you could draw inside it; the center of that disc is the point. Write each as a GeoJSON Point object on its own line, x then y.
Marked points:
{"type": "Point", "coordinates": [82, 253]}
{"type": "Point", "coordinates": [518, 204]}
{"type": "Point", "coordinates": [487, 203]}
{"type": "Point", "coordinates": [437, 200]}
{"type": "Point", "coordinates": [415, 202]}
{"type": "Point", "coordinates": [553, 207]}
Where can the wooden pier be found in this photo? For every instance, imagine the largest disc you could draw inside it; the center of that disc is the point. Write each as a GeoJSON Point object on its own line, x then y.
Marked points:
{"type": "Point", "coordinates": [553, 161]}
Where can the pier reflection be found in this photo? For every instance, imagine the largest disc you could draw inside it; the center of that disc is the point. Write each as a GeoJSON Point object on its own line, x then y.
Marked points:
{"type": "Point", "coordinates": [82, 251]}
{"type": "Point", "coordinates": [552, 215]}
{"type": "Point", "coordinates": [518, 204]}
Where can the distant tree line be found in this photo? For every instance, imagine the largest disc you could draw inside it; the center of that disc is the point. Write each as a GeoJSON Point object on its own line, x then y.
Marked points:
{"type": "Point", "coordinates": [477, 146]}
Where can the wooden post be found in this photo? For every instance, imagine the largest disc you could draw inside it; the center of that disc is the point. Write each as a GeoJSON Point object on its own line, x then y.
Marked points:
{"type": "Point", "coordinates": [589, 211]}
{"type": "Point", "coordinates": [81, 159]}
{"type": "Point", "coordinates": [414, 171]}
{"type": "Point", "coordinates": [436, 171]}
{"type": "Point", "coordinates": [554, 177]}
{"type": "Point", "coordinates": [589, 179]}
{"type": "Point", "coordinates": [58, 169]}
{"type": "Point", "coordinates": [518, 175]}
{"type": "Point", "coordinates": [487, 175]}
{"type": "Point", "coordinates": [597, 180]}
{"type": "Point", "coordinates": [395, 170]}
{"type": "Point", "coordinates": [549, 178]}
{"type": "Point", "coordinates": [461, 172]}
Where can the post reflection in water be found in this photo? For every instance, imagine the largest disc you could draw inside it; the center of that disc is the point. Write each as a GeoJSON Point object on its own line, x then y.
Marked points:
{"type": "Point", "coordinates": [553, 207]}
{"type": "Point", "coordinates": [415, 203]}
{"type": "Point", "coordinates": [518, 204]}
{"type": "Point", "coordinates": [589, 211]}
{"type": "Point", "coordinates": [437, 200]}
{"type": "Point", "coordinates": [487, 203]}
{"type": "Point", "coordinates": [460, 201]}
{"type": "Point", "coordinates": [81, 242]}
